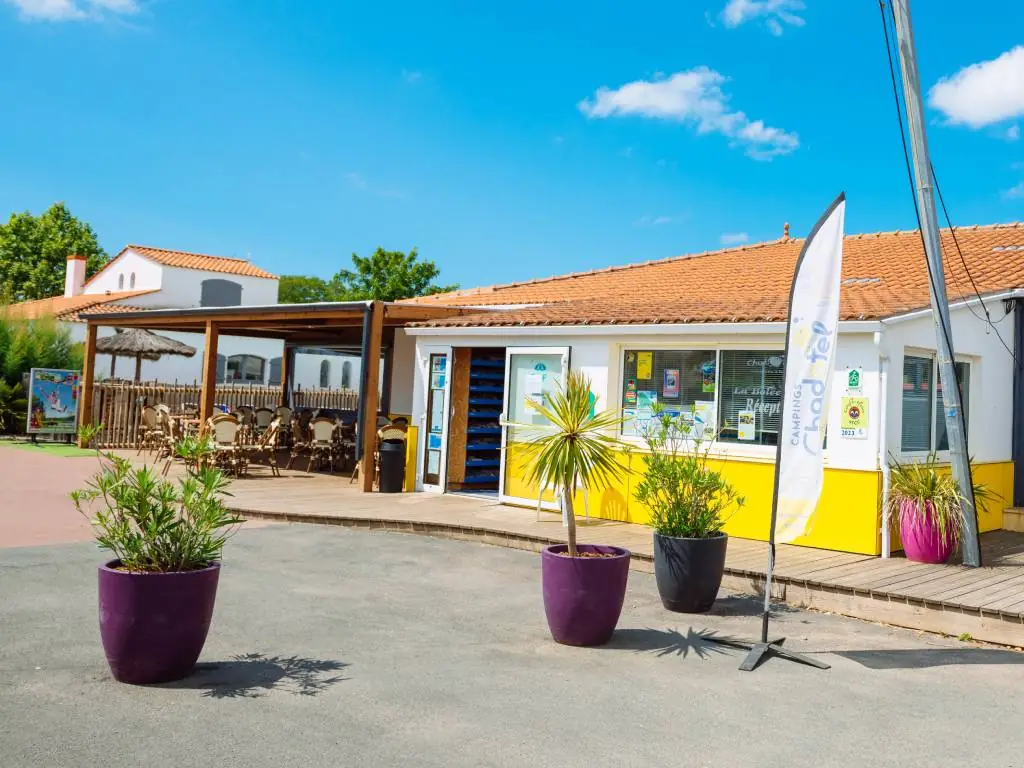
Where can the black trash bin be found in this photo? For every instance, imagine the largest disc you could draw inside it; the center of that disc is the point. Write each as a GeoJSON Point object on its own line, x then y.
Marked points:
{"type": "Point", "coordinates": [392, 466]}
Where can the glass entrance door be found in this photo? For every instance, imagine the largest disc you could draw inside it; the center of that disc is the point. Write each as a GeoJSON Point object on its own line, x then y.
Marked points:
{"type": "Point", "coordinates": [531, 374]}
{"type": "Point", "coordinates": [435, 442]}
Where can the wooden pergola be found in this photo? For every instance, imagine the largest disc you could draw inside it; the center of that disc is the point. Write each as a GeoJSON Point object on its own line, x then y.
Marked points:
{"type": "Point", "coordinates": [368, 325]}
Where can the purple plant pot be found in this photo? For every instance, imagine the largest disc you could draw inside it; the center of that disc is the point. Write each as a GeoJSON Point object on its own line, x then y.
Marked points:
{"type": "Point", "coordinates": [583, 595]}
{"type": "Point", "coordinates": [922, 541]}
{"type": "Point", "coordinates": [154, 625]}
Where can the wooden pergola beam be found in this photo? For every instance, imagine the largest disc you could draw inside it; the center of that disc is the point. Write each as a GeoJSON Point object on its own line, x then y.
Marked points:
{"type": "Point", "coordinates": [208, 394]}
{"type": "Point", "coordinates": [88, 377]}
{"type": "Point", "coordinates": [370, 394]}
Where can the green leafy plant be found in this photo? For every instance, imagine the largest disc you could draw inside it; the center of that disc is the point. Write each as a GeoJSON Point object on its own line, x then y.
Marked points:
{"type": "Point", "coordinates": [13, 407]}
{"type": "Point", "coordinates": [152, 524]}
{"type": "Point", "coordinates": [685, 497]}
{"type": "Point", "coordinates": [576, 450]}
{"type": "Point", "coordinates": [41, 342]}
{"type": "Point", "coordinates": [922, 491]}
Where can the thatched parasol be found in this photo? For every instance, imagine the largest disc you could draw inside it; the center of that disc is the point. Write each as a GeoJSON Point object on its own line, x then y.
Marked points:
{"type": "Point", "coordinates": [140, 343]}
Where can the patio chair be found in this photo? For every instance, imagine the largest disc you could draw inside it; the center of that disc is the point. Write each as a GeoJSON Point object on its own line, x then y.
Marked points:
{"type": "Point", "coordinates": [224, 431]}
{"type": "Point", "coordinates": [301, 440]}
{"type": "Point", "coordinates": [264, 447]}
{"type": "Point", "coordinates": [149, 435]}
{"type": "Point", "coordinates": [284, 432]}
{"type": "Point", "coordinates": [263, 417]}
{"type": "Point", "coordinates": [321, 446]}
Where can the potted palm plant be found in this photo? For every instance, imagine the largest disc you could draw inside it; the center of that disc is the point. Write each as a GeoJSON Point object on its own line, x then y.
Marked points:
{"type": "Point", "coordinates": [689, 504]}
{"type": "Point", "coordinates": [584, 584]}
{"type": "Point", "coordinates": [156, 595]}
{"type": "Point", "coordinates": [925, 502]}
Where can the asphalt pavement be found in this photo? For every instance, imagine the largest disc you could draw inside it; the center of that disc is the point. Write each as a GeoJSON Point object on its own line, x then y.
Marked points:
{"type": "Point", "coordinates": [335, 647]}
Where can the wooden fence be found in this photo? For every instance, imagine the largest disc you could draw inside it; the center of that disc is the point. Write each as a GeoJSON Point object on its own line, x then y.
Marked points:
{"type": "Point", "coordinates": [118, 405]}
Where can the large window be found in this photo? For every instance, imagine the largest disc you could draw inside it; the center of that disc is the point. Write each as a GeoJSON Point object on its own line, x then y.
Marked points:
{"type": "Point", "coordinates": [245, 368]}
{"type": "Point", "coordinates": [746, 383]}
{"type": "Point", "coordinates": [275, 372]}
{"type": "Point", "coordinates": [325, 374]}
{"type": "Point", "coordinates": [680, 381]}
{"type": "Point", "coordinates": [750, 396]}
{"type": "Point", "coordinates": [923, 425]}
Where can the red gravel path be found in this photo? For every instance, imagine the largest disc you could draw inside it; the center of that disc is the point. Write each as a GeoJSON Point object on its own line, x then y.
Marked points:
{"type": "Point", "coordinates": [34, 504]}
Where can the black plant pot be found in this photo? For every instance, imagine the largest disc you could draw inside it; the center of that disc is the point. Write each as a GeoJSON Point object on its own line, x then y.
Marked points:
{"type": "Point", "coordinates": [689, 571]}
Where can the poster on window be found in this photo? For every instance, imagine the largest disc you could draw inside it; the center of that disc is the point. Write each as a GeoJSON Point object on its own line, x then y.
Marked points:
{"type": "Point", "coordinates": [746, 425]}
{"type": "Point", "coordinates": [644, 365]}
{"type": "Point", "coordinates": [704, 418]}
{"type": "Point", "coordinates": [646, 401]}
{"type": "Point", "coordinates": [853, 423]}
{"type": "Point", "coordinates": [707, 374]}
{"type": "Point", "coordinates": [671, 386]}
{"type": "Point", "coordinates": [533, 389]}
{"type": "Point", "coordinates": [52, 402]}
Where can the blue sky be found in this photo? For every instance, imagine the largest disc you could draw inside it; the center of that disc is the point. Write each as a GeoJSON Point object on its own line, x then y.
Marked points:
{"type": "Point", "coordinates": [506, 142]}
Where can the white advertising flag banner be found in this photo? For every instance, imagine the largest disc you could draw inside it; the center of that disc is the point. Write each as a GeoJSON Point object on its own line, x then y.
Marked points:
{"type": "Point", "coordinates": [810, 362]}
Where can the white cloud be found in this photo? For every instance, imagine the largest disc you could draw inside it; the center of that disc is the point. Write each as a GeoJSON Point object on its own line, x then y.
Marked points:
{"type": "Point", "coordinates": [734, 238]}
{"type": "Point", "coordinates": [1013, 132]}
{"type": "Point", "coordinates": [647, 220]}
{"type": "Point", "coordinates": [411, 76]}
{"type": "Point", "coordinates": [72, 10]}
{"type": "Point", "coordinates": [775, 13]}
{"type": "Point", "coordinates": [984, 93]}
{"type": "Point", "coordinates": [694, 97]}
{"type": "Point", "coordinates": [1015, 192]}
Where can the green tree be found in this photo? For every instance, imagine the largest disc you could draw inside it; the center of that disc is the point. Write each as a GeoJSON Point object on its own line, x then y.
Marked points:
{"type": "Point", "coordinates": [300, 289]}
{"type": "Point", "coordinates": [34, 251]}
{"type": "Point", "coordinates": [387, 276]}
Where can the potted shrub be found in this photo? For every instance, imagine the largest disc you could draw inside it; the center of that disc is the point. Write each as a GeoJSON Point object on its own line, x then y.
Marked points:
{"type": "Point", "coordinates": [689, 504]}
{"type": "Point", "coordinates": [925, 503]}
{"type": "Point", "coordinates": [584, 584]}
{"type": "Point", "coordinates": [156, 595]}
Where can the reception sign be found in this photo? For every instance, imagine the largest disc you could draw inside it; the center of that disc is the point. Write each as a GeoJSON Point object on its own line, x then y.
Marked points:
{"type": "Point", "coordinates": [52, 402]}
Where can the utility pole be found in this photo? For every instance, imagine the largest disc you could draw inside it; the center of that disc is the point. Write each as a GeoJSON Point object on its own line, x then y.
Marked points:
{"type": "Point", "coordinates": [951, 405]}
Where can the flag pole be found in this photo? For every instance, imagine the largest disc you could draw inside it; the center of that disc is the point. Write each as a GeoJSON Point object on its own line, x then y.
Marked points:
{"type": "Point", "coordinates": [765, 648]}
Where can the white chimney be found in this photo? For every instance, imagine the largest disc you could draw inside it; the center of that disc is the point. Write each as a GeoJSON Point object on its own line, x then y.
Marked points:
{"type": "Point", "coordinates": [74, 276]}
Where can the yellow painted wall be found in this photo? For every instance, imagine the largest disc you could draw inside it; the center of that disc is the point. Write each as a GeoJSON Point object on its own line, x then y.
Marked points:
{"type": "Point", "coordinates": [847, 517]}
{"type": "Point", "coordinates": [411, 447]}
{"type": "Point", "coordinates": [998, 478]}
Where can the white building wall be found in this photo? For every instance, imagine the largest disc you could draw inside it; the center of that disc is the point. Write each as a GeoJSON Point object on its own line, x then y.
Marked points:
{"type": "Point", "coordinates": [148, 275]}
{"type": "Point", "coordinates": [990, 406]}
{"type": "Point", "coordinates": [182, 288]}
{"type": "Point", "coordinates": [402, 375]}
{"type": "Point", "coordinates": [599, 356]}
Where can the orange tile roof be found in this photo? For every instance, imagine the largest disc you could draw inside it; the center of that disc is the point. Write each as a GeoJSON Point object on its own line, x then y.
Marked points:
{"type": "Point", "coordinates": [187, 260]}
{"type": "Point", "coordinates": [884, 274]}
{"type": "Point", "coordinates": [69, 307]}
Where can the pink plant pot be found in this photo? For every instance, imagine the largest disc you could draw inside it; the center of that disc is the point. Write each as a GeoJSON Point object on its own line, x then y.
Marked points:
{"type": "Point", "coordinates": [922, 541]}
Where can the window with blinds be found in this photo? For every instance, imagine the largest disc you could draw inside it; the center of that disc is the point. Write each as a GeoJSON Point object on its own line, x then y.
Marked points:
{"type": "Point", "coordinates": [750, 396]}
{"type": "Point", "coordinates": [680, 381]}
{"type": "Point", "coordinates": [923, 424]}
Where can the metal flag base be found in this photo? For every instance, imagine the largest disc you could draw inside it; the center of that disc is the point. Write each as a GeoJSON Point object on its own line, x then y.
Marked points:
{"type": "Point", "coordinates": [758, 652]}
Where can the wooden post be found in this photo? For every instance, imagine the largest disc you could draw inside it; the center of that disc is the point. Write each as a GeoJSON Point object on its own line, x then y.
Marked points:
{"type": "Point", "coordinates": [208, 394]}
{"type": "Point", "coordinates": [287, 369]}
{"type": "Point", "coordinates": [88, 374]}
{"type": "Point", "coordinates": [370, 394]}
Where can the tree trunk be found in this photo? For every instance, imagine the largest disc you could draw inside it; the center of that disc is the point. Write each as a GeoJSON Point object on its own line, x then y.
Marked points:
{"type": "Point", "coordinates": [571, 519]}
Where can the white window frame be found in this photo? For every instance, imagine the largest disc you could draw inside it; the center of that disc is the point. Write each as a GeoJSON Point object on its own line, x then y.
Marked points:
{"type": "Point", "coordinates": [931, 354]}
{"type": "Point", "coordinates": [719, 449]}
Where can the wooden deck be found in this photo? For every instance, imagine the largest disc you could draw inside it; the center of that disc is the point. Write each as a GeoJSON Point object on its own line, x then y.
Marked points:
{"type": "Point", "coordinates": [987, 603]}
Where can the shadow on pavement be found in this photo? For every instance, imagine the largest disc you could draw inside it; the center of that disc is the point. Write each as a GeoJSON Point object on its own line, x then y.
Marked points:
{"type": "Point", "coordinates": [747, 605]}
{"type": "Point", "coordinates": [251, 675]}
{"type": "Point", "coordinates": [933, 657]}
{"type": "Point", "coordinates": [668, 642]}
